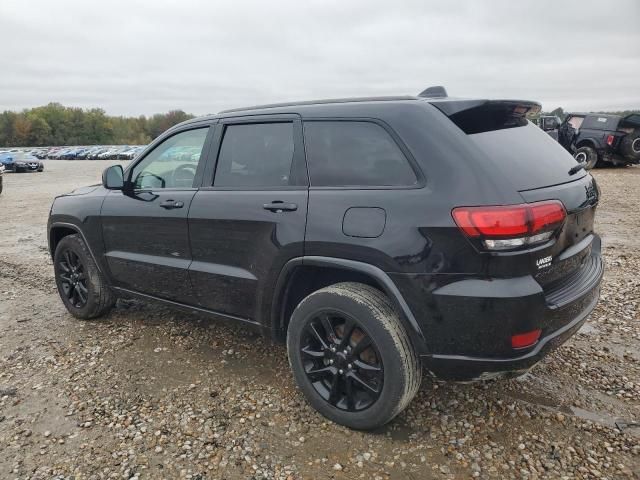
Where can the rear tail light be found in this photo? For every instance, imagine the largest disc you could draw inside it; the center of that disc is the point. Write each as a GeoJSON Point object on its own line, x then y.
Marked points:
{"type": "Point", "coordinates": [511, 226]}
{"type": "Point", "coordinates": [610, 139]}
{"type": "Point", "coordinates": [524, 340]}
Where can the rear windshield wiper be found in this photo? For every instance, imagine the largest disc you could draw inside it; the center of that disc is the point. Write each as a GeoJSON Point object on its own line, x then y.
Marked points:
{"type": "Point", "coordinates": [577, 168]}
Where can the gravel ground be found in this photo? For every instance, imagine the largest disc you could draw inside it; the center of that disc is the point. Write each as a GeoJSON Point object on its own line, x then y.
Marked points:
{"type": "Point", "coordinates": [155, 393]}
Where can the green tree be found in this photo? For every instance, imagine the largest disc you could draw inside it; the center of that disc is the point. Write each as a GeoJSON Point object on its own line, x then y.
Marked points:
{"type": "Point", "coordinates": [40, 134]}
{"type": "Point", "coordinates": [55, 124]}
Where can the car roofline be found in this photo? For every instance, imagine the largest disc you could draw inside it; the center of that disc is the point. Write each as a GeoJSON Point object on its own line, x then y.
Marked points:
{"type": "Point", "coordinates": [447, 104]}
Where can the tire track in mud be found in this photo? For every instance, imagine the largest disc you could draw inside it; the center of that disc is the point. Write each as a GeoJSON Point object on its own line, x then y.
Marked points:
{"type": "Point", "coordinates": [38, 277]}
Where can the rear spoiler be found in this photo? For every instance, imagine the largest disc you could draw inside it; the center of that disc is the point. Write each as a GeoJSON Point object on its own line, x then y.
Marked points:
{"type": "Point", "coordinates": [477, 116]}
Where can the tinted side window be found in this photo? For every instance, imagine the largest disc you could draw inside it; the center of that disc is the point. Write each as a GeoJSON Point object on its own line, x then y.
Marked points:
{"type": "Point", "coordinates": [255, 155]}
{"type": "Point", "coordinates": [354, 154]}
{"type": "Point", "coordinates": [599, 122]}
{"type": "Point", "coordinates": [173, 163]}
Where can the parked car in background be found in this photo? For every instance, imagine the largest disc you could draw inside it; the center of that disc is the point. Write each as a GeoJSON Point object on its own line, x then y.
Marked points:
{"type": "Point", "coordinates": [108, 153]}
{"type": "Point", "coordinates": [375, 237]}
{"type": "Point", "coordinates": [72, 153]}
{"type": "Point", "coordinates": [130, 153]}
{"type": "Point", "coordinates": [25, 162]}
{"type": "Point", "coordinates": [95, 153]}
{"type": "Point", "coordinates": [7, 160]}
{"type": "Point", "coordinates": [17, 161]}
{"type": "Point", "coordinates": [82, 154]}
{"type": "Point", "coordinates": [598, 139]}
{"type": "Point", "coordinates": [1, 175]}
{"type": "Point", "coordinates": [59, 153]}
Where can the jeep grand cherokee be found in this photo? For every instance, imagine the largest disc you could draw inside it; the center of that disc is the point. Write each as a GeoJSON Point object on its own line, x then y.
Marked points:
{"type": "Point", "coordinates": [377, 237]}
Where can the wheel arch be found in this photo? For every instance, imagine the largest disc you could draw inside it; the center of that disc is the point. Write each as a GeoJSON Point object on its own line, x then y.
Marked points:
{"type": "Point", "coordinates": [319, 272]}
{"type": "Point", "coordinates": [59, 230]}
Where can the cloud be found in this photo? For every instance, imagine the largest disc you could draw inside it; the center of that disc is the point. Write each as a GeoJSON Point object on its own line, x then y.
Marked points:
{"type": "Point", "coordinates": [141, 57]}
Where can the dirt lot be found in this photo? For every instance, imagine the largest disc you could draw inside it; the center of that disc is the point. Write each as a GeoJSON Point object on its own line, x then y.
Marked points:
{"type": "Point", "coordinates": [157, 393]}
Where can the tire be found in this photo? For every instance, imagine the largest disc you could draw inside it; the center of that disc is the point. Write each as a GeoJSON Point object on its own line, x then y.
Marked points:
{"type": "Point", "coordinates": [388, 390]}
{"type": "Point", "coordinates": [73, 262]}
{"type": "Point", "coordinates": [630, 145]}
{"type": "Point", "coordinates": [588, 155]}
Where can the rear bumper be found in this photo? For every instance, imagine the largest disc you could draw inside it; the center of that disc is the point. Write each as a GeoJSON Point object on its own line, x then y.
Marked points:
{"type": "Point", "coordinates": [465, 368]}
{"type": "Point", "coordinates": [478, 317]}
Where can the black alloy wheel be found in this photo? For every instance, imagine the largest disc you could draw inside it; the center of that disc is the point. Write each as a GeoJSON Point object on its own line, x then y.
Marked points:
{"type": "Point", "coordinates": [341, 361]}
{"type": "Point", "coordinates": [351, 356]}
{"type": "Point", "coordinates": [73, 278]}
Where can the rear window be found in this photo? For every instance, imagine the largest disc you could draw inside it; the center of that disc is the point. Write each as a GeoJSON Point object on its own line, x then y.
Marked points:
{"type": "Point", "coordinates": [350, 153]}
{"type": "Point", "coordinates": [527, 155]}
{"type": "Point", "coordinates": [600, 122]}
{"type": "Point", "coordinates": [255, 155]}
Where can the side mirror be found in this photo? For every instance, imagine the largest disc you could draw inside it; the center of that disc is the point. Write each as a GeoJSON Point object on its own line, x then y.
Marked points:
{"type": "Point", "coordinates": [113, 178]}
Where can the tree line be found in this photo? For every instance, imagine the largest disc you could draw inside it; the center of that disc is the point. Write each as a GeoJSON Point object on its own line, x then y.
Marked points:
{"type": "Point", "coordinates": [559, 112]}
{"type": "Point", "coordinates": [55, 124]}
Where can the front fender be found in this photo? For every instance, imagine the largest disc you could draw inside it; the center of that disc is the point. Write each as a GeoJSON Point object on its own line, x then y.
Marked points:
{"type": "Point", "coordinates": [79, 213]}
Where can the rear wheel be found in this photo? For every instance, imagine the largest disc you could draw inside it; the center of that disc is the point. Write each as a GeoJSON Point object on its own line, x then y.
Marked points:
{"type": "Point", "coordinates": [81, 286]}
{"type": "Point", "coordinates": [351, 357]}
{"type": "Point", "coordinates": [586, 155]}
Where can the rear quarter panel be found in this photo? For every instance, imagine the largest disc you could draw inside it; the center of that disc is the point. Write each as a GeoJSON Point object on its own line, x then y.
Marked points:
{"type": "Point", "coordinates": [420, 235]}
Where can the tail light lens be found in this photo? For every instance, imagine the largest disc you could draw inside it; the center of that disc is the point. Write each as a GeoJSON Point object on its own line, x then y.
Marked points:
{"type": "Point", "coordinates": [511, 226]}
{"type": "Point", "coordinates": [610, 139]}
{"type": "Point", "coordinates": [524, 340]}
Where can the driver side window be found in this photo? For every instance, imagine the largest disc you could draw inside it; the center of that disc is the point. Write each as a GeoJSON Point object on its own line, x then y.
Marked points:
{"type": "Point", "coordinates": [173, 163]}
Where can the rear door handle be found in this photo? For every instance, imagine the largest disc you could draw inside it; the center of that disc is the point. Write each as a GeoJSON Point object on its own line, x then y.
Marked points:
{"type": "Point", "coordinates": [171, 204]}
{"type": "Point", "coordinates": [279, 206]}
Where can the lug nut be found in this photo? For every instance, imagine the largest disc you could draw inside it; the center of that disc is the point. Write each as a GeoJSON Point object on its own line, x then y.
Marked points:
{"type": "Point", "coordinates": [330, 362]}
{"type": "Point", "coordinates": [344, 351]}
{"type": "Point", "coordinates": [340, 371]}
{"type": "Point", "coordinates": [333, 349]}
{"type": "Point", "coordinates": [350, 366]}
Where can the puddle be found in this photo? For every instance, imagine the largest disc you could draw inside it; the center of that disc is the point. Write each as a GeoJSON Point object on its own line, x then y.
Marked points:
{"type": "Point", "coordinates": [597, 417]}
{"type": "Point", "coordinates": [625, 425]}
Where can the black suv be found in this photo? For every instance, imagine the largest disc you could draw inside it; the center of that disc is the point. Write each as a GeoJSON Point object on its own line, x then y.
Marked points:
{"type": "Point", "coordinates": [601, 139]}
{"type": "Point", "coordinates": [374, 236]}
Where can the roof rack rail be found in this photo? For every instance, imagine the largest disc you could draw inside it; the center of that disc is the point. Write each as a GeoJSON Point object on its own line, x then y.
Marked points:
{"type": "Point", "coordinates": [434, 92]}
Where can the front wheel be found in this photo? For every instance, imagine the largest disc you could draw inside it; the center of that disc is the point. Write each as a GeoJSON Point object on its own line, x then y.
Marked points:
{"type": "Point", "coordinates": [81, 286]}
{"type": "Point", "coordinates": [351, 356]}
{"type": "Point", "coordinates": [586, 155]}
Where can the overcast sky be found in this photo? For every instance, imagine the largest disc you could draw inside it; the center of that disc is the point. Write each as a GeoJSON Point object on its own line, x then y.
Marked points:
{"type": "Point", "coordinates": [141, 57]}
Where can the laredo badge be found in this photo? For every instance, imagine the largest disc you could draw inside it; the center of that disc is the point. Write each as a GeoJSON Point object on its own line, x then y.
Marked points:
{"type": "Point", "coordinates": [544, 262]}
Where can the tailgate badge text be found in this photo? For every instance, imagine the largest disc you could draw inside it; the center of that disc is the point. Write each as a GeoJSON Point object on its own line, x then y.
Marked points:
{"type": "Point", "coordinates": [544, 262]}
